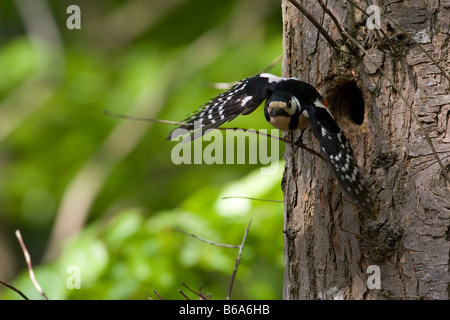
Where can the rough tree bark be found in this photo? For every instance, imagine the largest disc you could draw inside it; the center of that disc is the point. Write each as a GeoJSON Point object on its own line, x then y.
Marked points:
{"type": "Point", "coordinates": [327, 251]}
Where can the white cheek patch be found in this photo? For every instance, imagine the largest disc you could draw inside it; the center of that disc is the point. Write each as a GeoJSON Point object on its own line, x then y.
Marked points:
{"type": "Point", "coordinates": [295, 104]}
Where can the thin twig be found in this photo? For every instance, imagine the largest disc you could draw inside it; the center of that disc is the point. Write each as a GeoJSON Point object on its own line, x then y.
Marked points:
{"type": "Point", "coordinates": [302, 146]}
{"type": "Point", "coordinates": [182, 124]}
{"type": "Point", "coordinates": [249, 198]}
{"type": "Point", "coordinates": [393, 48]}
{"type": "Point", "coordinates": [200, 294]}
{"type": "Point", "coordinates": [257, 132]}
{"type": "Point", "coordinates": [238, 259]}
{"type": "Point", "coordinates": [344, 34]}
{"type": "Point", "coordinates": [420, 47]}
{"type": "Point", "coordinates": [30, 267]}
{"type": "Point", "coordinates": [182, 293]}
{"type": "Point", "coordinates": [6, 284]}
{"type": "Point", "coordinates": [318, 26]}
{"type": "Point", "coordinates": [358, 236]}
{"type": "Point", "coordinates": [133, 118]}
{"type": "Point", "coordinates": [157, 294]}
{"type": "Point", "coordinates": [298, 144]}
{"type": "Point", "coordinates": [407, 34]}
{"type": "Point", "coordinates": [206, 240]}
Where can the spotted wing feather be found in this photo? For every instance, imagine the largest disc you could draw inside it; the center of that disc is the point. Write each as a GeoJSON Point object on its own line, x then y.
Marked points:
{"type": "Point", "coordinates": [243, 98]}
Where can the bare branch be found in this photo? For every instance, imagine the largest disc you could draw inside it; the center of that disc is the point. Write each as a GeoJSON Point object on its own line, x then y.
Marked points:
{"type": "Point", "coordinates": [358, 236]}
{"type": "Point", "coordinates": [258, 133]}
{"type": "Point", "coordinates": [200, 294]}
{"type": "Point", "coordinates": [6, 284]}
{"type": "Point", "coordinates": [178, 123]}
{"type": "Point", "coordinates": [182, 293]}
{"type": "Point", "coordinates": [30, 267]}
{"type": "Point", "coordinates": [318, 26]}
{"type": "Point", "coordinates": [236, 265]}
{"type": "Point", "coordinates": [133, 118]}
{"type": "Point", "coordinates": [410, 37]}
{"type": "Point", "coordinates": [377, 31]}
{"type": "Point", "coordinates": [250, 198]}
{"type": "Point", "coordinates": [343, 33]}
{"type": "Point", "coordinates": [302, 146]}
{"type": "Point", "coordinates": [206, 240]}
{"type": "Point", "coordinates": [238, 259]}
{"type": "Point", "coordinates": [157, 294]}
{"type": "Point", "coordinates": [183, 124]}
{"type": "Point", "coordinates": [407, 34]}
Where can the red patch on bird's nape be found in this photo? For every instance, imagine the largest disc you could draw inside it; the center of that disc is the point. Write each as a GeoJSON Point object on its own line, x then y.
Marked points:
{"type": "Point", "coordinates": [325, 103]}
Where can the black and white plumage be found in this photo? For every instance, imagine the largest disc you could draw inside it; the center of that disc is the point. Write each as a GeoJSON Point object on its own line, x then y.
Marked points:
{"type": "Point", "coordinates": [290, 105]}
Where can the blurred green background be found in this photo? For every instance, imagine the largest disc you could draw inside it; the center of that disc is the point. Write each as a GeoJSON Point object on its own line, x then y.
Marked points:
{"type": "Point", "coordinates": [103, 194]}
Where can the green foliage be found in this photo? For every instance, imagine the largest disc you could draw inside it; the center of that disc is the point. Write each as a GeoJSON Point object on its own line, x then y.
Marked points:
{"type": "Point", "coordinates": [129, 255]}
{"type": "Point", "coordinates": [52, 130]}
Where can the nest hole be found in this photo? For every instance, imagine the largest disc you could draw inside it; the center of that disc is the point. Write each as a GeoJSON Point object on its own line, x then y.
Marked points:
{"type": "Point", "coordinates": [348, 98]}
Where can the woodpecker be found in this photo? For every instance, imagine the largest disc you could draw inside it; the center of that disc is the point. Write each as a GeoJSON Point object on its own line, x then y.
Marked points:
{"type": "Point", "coordinates": [290, 105]}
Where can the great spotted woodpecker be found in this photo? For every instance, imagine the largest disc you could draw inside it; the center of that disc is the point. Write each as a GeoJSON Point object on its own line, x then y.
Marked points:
{"type": "Point", "coordinates": [290, 105]}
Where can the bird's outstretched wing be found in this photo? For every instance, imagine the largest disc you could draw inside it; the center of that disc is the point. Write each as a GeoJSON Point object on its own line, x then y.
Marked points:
{"type": "Point", "coordinates": [243, 98]}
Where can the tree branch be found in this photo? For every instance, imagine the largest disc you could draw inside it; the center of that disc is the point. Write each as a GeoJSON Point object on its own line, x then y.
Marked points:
{"type": "Point", "coordinates": [179, 123]}
{"type": "Point", "coordinates": [250, 198]}
{"type": "Point", "coordinates": [182, 293]}
{"type": "Point", "coordinates": [157, 294]}
{"type": "Point", "coordinates": [377, 31]}
{"type": "Point", "coordinates": [316, 24]}
{"type": "Point", "coordinates": [206, 240]}
{"type": "Point", "coordinates": [6, 284]}
{"type": "Point", "coordinates": [200, 294]}
{"type": "Point", "coordinates": [238, 259]}
{"type": "Point", "coordinates": [30, 267]}
{"type": "Point", "coordinates": [343, 33]}
{"type": "Point", "coordinates": [405, 33]}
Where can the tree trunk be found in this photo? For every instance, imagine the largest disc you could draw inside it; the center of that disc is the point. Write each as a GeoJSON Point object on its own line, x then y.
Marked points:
{"type": "Point", "coordinates": [330, 253]}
